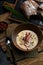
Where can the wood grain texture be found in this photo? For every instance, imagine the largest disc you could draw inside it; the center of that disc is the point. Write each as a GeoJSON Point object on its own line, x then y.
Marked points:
{"type": "Point", "coordinates": [28, 61]}
{"type": "Point", "coordinates": [4, 17]}
{"type": "Point", "coordinates": [32, 61]}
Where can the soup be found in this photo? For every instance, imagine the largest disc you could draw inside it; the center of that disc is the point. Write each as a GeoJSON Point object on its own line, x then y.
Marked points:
{"type": "Point", "coordinates": [27, 39]}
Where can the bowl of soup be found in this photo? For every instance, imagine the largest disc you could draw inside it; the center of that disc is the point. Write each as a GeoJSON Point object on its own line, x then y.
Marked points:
{"type": "Point", "coordinates": [26, 37]}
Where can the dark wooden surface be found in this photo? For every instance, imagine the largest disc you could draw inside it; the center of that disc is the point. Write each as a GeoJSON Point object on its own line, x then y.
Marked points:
{"type": "Point", "coordinates": [27, 61]}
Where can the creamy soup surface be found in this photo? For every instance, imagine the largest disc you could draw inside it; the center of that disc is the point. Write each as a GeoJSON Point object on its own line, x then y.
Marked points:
{"type": "Point", "coordinates": [27, 39]}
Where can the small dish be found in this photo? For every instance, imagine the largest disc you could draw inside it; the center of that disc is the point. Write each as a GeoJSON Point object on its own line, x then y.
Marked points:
{"type": "Point", "coordinates": [3, 28]}
{"type": "Point", "coordinates": [22, 27]}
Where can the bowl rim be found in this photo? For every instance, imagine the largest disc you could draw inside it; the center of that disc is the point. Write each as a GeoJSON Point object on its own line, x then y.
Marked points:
{"type": "Point", "coordinates": [18, 47]}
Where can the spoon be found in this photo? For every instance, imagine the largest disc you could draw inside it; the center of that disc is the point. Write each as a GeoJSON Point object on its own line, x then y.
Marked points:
{"type": "Point", "coordinates": [8, 43]}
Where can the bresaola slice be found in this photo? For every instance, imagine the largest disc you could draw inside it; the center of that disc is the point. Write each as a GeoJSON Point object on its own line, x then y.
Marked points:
{"type": "Point", "coordinates": [41, 6]}
{"type": "Point", "coordinates": [29, 7]}
{"type": "Point", "coordinates": [3, 26]}
{"type": "Point", "coordinates": [39, 0]}
{"type": "Point", "coordinates": [40, 10]}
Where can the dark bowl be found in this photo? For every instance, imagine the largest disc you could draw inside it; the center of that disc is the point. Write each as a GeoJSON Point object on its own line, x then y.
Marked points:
{"type": "Point", "coordinates": [26, 27]}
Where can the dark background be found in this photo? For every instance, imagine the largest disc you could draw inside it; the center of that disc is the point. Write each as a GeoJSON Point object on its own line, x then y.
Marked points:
{"type": "Point", "coordinates": [3, 59]}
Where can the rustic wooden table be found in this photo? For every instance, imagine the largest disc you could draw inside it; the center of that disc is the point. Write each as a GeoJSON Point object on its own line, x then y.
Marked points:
{"type": "Point", "coordinates": [28, 61]}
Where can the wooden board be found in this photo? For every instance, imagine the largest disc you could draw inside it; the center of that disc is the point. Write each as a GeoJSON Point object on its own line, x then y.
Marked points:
{"type": "Point", "coordinates": [28, 61]}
